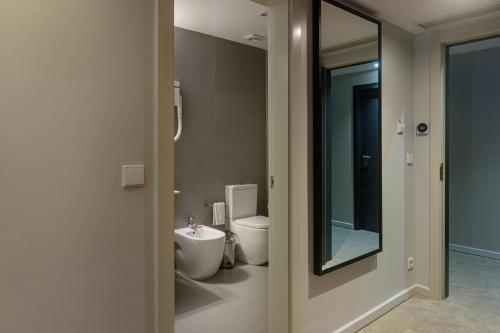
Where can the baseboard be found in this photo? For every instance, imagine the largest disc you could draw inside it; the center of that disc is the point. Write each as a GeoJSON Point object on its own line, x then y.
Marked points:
{"type": "Point", "coordinates": [421, 290]}
{"type": "Point", "coordinates": [343, 224]}
{"type": "Point", "coordinates": [382, 309]}
{"type": "Point", "coordinates": [474, 251]}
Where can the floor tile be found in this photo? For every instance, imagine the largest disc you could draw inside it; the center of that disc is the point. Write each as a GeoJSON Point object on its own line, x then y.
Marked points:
{"type": "Point", "coordinates": [473, 305]}
{"type": "Point", "coordinates": [237, 297]}
{"type": "Point", "coordinates": [223, 324]}
{"type": "Point", "coordinates": [255, 315]}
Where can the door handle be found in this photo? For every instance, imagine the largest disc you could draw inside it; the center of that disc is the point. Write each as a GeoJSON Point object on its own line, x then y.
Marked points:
{"type": "Point", "coordinates": [365, 160]}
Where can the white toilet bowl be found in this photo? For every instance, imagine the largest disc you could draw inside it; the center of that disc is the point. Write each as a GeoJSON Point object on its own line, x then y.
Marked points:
{"type": "Point", "coordinates": [251, 239]}
{"type": "Point", "coordinates": [251, 230]}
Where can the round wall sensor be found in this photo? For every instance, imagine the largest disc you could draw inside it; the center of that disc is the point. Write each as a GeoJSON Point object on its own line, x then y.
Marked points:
{"type": "Point", "coordinates": [422, 129]}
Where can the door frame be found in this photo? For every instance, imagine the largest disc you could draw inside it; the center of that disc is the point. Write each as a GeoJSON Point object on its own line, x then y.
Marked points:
{"type": "Point", "coordinates": [278, 157]}
{"type": "Point", "coordinates": [163, 174]}
{"type": "Point", "coordinates": [439, 40]}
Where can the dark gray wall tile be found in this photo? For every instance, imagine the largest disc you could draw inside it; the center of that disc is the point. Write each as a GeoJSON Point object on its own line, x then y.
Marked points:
{"type": "Point", "coordinates": [235, 66]}
{"type": "Point", "coordinates": [261, 74]}
{"type": "Point", "coordinates": [233, 166]}
{"type": "Point", "coordinates": [198, 119]}
{"type": "Point", "coordinates": [224, 137]}
{"type": "Point", "coordinates": [192, 168]}
{"type": "Point", "coordinates": [194, 59]}
{"type": "Point", "coordinates": [235, 120]}
{"type": "Point", "coordinates": [261, 153]}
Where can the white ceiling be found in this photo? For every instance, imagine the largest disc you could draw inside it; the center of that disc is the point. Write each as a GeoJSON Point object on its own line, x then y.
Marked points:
{"type": "Point", "coordinates": [407, 13]}
{"type": "Point", "coordinates": [233, 19]}
{"type": "Point", "coordinates": [228, 19]}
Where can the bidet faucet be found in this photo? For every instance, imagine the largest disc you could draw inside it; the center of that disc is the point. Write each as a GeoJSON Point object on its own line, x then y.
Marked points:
{"type": "Point", "coordinates": [190, 224]}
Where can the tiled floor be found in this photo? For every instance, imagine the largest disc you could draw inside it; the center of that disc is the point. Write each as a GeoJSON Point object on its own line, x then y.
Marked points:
{"type": "Point", "coordinates": [348, 244]}
{"type": "Point", "coordinates": [233, 301]}
{"type": "Point", "coordinates": [473, 305]}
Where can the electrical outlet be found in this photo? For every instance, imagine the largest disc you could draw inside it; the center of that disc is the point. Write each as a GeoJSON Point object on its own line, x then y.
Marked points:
{"type": "Point", "coordinates": [411, 263]}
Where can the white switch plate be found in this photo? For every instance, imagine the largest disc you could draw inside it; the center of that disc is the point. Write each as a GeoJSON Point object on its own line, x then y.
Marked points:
{"type": "Point", "coordinates": [401, 126]}
{"type": "Point", "coordinates": [409, 159]}
{"type": "Point", "coordinates": [411, 263]}
{"type": "Point", "coordinates": [132, 176]}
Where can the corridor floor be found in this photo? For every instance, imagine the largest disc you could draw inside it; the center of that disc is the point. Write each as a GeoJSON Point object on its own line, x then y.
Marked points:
{"type": "Point", "coordinates": [473, 305]}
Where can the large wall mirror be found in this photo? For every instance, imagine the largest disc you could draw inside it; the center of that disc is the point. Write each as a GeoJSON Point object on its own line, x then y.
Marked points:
{"type": "Point", "coordinates": [347, 131]}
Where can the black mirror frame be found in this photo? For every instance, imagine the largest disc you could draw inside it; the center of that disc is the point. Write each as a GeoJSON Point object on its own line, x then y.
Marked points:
{"type": "Point", "coordinates": [318, 140]}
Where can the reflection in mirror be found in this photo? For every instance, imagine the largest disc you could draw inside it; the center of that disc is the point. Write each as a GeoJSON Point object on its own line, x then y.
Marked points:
{"type": "Point", "coordinates": [347, 145]}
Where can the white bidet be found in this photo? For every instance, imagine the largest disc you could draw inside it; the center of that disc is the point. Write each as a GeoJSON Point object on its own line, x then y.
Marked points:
{"type": "Point", "coordinates": [198, 253]}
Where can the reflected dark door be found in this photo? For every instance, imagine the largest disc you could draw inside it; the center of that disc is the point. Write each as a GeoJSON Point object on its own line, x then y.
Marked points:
{"type": "Point", "coordinates": [366, 157]}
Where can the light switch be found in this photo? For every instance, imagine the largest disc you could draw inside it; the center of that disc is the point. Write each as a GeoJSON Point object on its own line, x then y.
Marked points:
{"type": "Point", "coordinates": [132, 175]}
{"type": "Point", "coordinates": [409, 159]}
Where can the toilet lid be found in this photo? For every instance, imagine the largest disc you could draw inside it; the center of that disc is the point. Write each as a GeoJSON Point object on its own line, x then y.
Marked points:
{"type": "Point", "coordinates": [257, 222]}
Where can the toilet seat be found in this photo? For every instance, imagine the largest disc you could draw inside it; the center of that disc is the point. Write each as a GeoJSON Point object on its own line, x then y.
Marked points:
{"type": "Point", "coordinates": [256, 222]}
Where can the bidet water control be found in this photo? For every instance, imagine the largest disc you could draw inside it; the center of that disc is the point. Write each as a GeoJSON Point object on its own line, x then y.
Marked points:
{"type": "Point", "coordinates": [190, 224]}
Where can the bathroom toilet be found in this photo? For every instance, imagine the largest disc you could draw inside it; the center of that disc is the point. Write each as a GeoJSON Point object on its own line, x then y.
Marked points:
{"type": "Point", "coordinates": [251, 230]}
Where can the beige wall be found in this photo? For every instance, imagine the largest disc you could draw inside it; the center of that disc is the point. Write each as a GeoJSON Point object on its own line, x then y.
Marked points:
{"type": "Point", "coordinates": [339, 300]}
{"type": "Point", "coordinates": [76, 97]}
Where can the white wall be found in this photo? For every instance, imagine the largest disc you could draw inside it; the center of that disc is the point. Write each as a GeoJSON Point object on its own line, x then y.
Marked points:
{"type": "Point", "coordinates": [76, 103]}
{"type": "Point", "coordinates": [429, 107]}
{"type": "Point", "coordinates": [325, 304]}
{"type": "Point", "coordinates": [422, 160]}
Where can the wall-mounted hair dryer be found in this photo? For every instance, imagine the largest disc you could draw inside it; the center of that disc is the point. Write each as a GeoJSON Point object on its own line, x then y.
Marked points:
{"type": "Point", "coordinates": [178, 107]}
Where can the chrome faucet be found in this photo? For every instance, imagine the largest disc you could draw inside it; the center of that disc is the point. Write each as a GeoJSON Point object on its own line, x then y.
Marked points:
{"type": "Point", "coordinates": [190, 224]}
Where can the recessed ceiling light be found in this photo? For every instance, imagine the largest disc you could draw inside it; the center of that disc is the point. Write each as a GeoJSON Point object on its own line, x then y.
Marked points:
{"type": "Point", "coordinates": [254, 37]}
